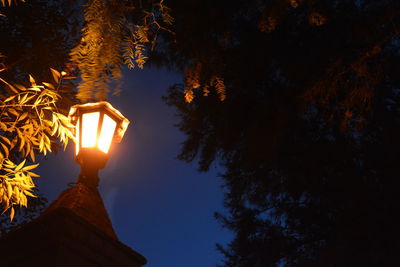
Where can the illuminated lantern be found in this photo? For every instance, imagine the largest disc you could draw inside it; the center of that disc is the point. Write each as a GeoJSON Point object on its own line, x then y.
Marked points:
{"type": "Point", "coordinates": [97, 125]}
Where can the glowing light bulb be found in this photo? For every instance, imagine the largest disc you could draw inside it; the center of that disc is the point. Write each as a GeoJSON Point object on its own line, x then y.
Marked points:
{"type": "Point", "coordinates": [106, 134]}
{"type": "Point", "coordinates": [90, 122]}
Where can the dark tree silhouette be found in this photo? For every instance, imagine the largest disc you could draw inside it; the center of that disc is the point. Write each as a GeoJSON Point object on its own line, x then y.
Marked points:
{"type": "Point", "coordinates": [309, 130]}
{"type": "Point", "coordinates": [23, 215]}
{"type": "Point", "coordinates": [37, 35]}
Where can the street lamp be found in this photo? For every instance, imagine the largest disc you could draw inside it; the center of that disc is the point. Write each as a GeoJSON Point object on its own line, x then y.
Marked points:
{"type": "Point", "coordinates": [97, 125]}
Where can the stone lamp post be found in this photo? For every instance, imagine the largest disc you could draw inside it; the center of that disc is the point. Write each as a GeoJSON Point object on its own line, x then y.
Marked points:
{"type": "Point", "coordinates": [75, 229]}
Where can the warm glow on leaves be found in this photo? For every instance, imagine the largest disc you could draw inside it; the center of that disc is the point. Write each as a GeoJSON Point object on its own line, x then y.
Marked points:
{"type": "Point", "coordinates": [110, 39]}
{"type": "Point", "coordinates": [15, 185]}
{"type": "Point", "coordinates": [189, 95]}
{"type": "Point", "coordinates": [219, 87]}
{"type": "Point", "coordinates": [316, 19]}
{"type": "Point", "coordinates": [267, 25]}
{"type": "Point", "coordinates": [29, 124]}
{"type": "Point", "coordinates": [295, 3]}
{"type": "Point", "coordinates": [192, 82]}
{"type": "Point", "coordinates": [9, 2]}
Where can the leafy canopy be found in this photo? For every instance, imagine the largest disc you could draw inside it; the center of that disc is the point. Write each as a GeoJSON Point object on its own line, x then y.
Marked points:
{"type": "Point", "coordinates": [308, 129]}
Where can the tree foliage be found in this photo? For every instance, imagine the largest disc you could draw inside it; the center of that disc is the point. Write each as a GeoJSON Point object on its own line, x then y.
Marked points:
{"type": "Point", "coordinates": [32, 114]}
{"type": "Point", "coordinates": [30, 123]}
{"type": "Point", "coordinates": [115, 33]}
{"type": "Point", "coordinates": [37, 35]}
{"type": "Point", "coordinates": [8, 2]}
{"type": "Point", "coordinates": [308, 129]}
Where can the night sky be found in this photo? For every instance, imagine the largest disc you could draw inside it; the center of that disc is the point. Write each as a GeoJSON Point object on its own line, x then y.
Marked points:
{"type": "Point", "coordinates": [159, 206]}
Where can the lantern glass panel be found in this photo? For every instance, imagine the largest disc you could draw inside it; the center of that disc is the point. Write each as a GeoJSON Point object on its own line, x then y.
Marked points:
{"type": "Point", "coordinates": [107, 133]}
{"type": "Point", "coordinates": [90, 123]}
{"type": "Point", "coordinates": [77, 130]}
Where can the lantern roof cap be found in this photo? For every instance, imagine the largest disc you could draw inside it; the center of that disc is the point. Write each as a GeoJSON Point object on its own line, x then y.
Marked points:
{"type": "Point", "coordinates": [122, 121]}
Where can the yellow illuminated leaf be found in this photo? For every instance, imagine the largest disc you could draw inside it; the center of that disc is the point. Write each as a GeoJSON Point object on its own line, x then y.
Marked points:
{"type": "Point", "coordinates": [9, 191]}
{"type": "Point", "coordinates": [49, 85]}
{"type": "Point", "coordinates": [27, 149]}
{"type": "Point", "coordinates": [10, 98]}
{"type": "Point", "coordinates": [41, 145]}
{"type": "Point", "coordinates": [32, 155]}
{"type": "Point", "coordinates": [56, 75]}
{"type": "Point", "coordinates": [5, 148]}
{"type": "Point", "coordinates": [35, 141]}
{"type": "Point", "coordinates": [32, 174]}
{"type": "Point", "coordinates": [10, 86]}
{"type": "Point", "coordinates": [30, 167]}
{"type": "Point", "coordinates": [23, 116]}
{"type": "Point", "coordinates": [29, 194]}
{"type": "Point", "coordinates": [47, 143]}
{"type": "Point", "coordinates": [55, 128]}
{"type": "Point", "coordinates": [16, 191]}
{"type": "Point", "coordinates": [20, 87]}
{"type": "Point", "coordinates": [6, 140]}
{"type": "Point", "coordinates": [3, 126]}
{"type": "Point", "coordinates": [13, 112]}
{"type": "Point", "coordinates": [22, 139]}
{"type": "Point", "coordinates": [23, 100]}
{"type": "Point", "coordinates": [32, 81]}
{"type": "Point", "coordinates": [21, 144]}
{"type": "Point", "coordinates": [29, 98]}
{"type": "Point", "coordinates": [23, 200]}
{"type": "Point", "coordinates": [20, 165]}
{"type": "Point", "coordinates": [9, 163]}
{"type": "Point", "coordinates": [12, 212]}
{"type": "Point", "coordinates": [35, 89]}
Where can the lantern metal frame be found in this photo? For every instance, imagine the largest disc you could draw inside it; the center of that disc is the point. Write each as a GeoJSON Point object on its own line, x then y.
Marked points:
{"type": "Point", "coordinates": [92, 159]}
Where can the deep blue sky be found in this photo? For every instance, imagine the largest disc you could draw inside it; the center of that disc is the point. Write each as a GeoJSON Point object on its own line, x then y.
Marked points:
{"type": "Point", "coordinates": [161, 207]}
